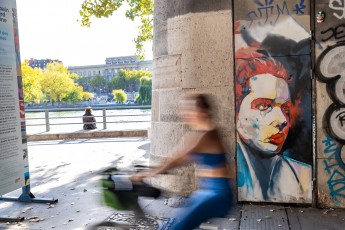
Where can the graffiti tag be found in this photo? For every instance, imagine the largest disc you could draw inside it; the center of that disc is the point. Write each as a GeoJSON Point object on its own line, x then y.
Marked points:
{"type": "Point", "coordinates": [300, 7]}
{"type": "Point", "coordinates": [330, 69]}
{"type": "Point", "coordinates": [268, 8]}
{"type": "Point", "coordinates": [337, 32]}
{"type": "Point", "coordinates": [341, 118]}
{"type": "Point", "coordinates": [339, 6]}
{"type": "Point", "coordinates": [334, 166]}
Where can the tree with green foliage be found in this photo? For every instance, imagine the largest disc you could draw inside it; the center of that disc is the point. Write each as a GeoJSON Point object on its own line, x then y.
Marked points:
{"type": "Point", "coordinates": [145, 91]}
{"type": "Point", "coordinates": [120, 95]}
{"type": "Point", "coordinates": [129, 80]}
{"type": "Point", "coordinates": [141, 9]}
{"type": "Point", "coordinates": [53, 83]}
{"type": "Point", "coordinates": [119, 82]}
{"type": "Point", "coordinates": [87, 96]}
{"type": "Point", "coordinates": [57, 82]}
{"type": "Point", "coordinates": [84, 82]}
{"type": "Point", "coordinates": [77, 94]}
{"type": "Point", "coordinates": [31, 83]}
{"type": "Point", "coordinates": [98, 83]}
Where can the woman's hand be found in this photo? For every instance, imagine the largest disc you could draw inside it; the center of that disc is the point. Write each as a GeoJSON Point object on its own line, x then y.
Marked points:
{"type": "Point", "coordinates": [140, 176]}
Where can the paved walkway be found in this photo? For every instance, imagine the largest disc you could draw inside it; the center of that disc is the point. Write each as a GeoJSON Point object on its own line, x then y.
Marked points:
{"type": "Point", "coordinates": [68, 170]}
{"type": "Point", "coordinates": [265, 217]}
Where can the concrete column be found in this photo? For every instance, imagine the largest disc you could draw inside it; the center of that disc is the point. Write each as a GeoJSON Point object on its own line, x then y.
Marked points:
{"type": "Point", "coordinates": [192, 53]}
{"type": "Point", "coordinates": [330, 131]}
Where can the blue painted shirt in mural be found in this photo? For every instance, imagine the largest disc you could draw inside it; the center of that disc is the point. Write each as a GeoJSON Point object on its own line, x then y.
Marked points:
{"type": "Point", "coordinates": [286, 179]}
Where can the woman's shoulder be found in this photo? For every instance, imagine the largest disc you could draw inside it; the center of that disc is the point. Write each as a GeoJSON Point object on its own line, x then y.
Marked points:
{"type": "Point", "coordinates": [210, 141]}
{"type": "Point", "coordinates": [212, 134]}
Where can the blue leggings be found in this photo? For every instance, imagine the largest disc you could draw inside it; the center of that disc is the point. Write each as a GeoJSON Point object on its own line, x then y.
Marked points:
{"type": "Point", "coordinates": [213, 199]}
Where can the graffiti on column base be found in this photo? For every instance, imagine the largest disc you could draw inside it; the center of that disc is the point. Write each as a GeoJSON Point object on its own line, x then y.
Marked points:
{"type": "Point", "coordinates": [335, 168]}
{"type": "Point", "coordinates": [268, 8]}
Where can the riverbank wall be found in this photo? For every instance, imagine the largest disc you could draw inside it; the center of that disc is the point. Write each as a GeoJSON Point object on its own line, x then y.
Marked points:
{"type": "Point", "coordinates": [85, 134]}
{"type": "Point", "coordinates": [62, 107]}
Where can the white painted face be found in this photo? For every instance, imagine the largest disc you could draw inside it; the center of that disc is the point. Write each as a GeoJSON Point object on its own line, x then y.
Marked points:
{"type": "Point", "coordinates": [263, 119]}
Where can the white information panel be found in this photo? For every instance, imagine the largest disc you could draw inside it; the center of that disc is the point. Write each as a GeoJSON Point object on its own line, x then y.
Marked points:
{"type": "Point", "coordinates": [14, 170]}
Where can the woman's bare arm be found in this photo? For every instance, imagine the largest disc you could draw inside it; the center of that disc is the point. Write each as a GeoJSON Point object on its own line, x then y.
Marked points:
{"type": "Point", "coordinates": [181, 156]}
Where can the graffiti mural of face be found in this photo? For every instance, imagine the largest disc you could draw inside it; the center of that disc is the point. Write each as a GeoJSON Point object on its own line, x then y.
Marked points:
{"type": "Point", "coordinates": [263, 119]}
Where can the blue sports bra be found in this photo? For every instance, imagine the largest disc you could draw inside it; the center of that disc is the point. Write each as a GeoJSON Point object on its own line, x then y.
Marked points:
{"type": "Point", "coordinates": [209, 160]}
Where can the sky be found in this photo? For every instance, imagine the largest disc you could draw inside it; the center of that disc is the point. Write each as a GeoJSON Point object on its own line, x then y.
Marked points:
{"type": "Point", "coordinates": [49, 29]}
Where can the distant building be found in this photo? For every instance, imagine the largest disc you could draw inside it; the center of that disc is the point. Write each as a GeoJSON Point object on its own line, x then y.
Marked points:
{"type": "Point", "coordinates": [40, 63]}
{"type": "Point", "coordinates": [112, 66]}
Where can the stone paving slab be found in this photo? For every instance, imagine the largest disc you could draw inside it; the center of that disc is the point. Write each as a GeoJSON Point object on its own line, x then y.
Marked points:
{"type": "Point", "coordinates": [230, 222]}
{"type": "Point", "coordinates": [263, 217]}
{"type": "Point", "coordinates": [314, 219]}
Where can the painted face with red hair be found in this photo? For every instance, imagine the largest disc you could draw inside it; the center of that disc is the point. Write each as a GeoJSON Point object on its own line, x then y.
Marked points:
{"type": "Point", "coordinates": [262, 102]}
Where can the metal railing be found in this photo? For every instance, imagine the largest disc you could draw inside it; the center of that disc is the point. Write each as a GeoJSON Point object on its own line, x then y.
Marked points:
{"type": "Point", "coordinates": [48, 120]}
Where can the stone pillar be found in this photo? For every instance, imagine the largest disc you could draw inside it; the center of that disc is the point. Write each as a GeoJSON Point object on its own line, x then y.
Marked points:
{"type": "Point", "coordinates": [193, 52]}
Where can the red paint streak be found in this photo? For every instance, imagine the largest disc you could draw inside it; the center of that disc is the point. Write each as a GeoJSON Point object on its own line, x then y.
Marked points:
{"type": "Point", "coordinates": [237, 25]}
{"type": "Point", "coordinates": [295, 111]}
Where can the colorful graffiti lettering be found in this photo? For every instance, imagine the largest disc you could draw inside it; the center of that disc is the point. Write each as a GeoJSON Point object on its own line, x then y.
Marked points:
{"type": "Point", "coordinates": [268, 8]}
{"type": "Point", "coordinates": [329, 69]}
{"type": "Point", "coordinates": [334, 166]}
{"type": "Point", "coordinates": [339, 6]}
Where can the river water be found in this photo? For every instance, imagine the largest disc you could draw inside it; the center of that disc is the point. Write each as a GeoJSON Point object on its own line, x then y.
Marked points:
{"type": "Point", "coordinates": [71, 121]}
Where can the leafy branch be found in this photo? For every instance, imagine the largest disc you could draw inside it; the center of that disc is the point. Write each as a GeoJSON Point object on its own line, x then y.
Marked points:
{"type": "Point", "coordinates": [141, 9]}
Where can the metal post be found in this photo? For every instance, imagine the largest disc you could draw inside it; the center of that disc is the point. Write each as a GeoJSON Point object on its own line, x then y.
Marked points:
{"type": "Point", "coordinates": [47, 120]}
{"type": "Point", "coordinates": [104, 119]}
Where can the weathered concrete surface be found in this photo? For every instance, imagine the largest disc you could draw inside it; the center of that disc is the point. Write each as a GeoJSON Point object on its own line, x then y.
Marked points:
{"type": "Point", "coordinates": [182, 7]}
{"type": "Point", "coordinates": [87, 134]}
{"type": "Point", "coordinates": [167, 72]}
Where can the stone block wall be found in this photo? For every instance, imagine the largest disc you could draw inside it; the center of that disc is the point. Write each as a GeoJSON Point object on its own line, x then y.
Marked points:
{"type": "Point", "coordinates": [192, 53]}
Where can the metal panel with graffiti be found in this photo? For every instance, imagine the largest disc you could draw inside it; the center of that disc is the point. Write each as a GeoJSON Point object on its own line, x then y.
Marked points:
{"type": "Point", "coordinates": [330, 72]}
{"type": "Point", "coordinates": [273, 100]}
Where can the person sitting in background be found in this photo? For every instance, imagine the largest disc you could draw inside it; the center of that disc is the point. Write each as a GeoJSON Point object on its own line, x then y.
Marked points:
{"type": "Point", "coordinates": [89, 120]}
